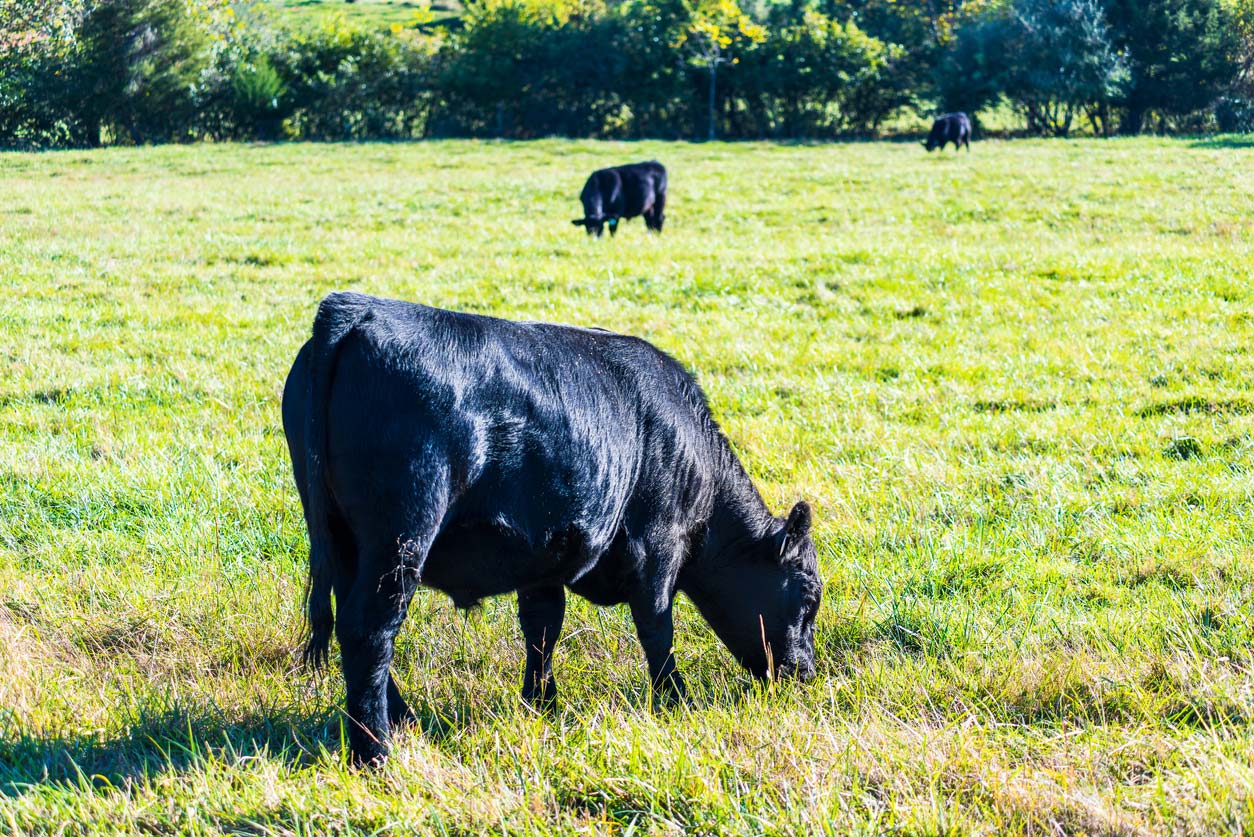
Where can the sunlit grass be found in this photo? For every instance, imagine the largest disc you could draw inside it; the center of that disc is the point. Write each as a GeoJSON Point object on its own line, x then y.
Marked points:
{"type": "Point", "coordinates": [372, 15]}
{"type": "Point", "coordinates": [1016, 385]}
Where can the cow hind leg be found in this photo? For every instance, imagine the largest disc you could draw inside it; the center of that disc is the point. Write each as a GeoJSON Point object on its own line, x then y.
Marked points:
{"type": "Point", "coordinates": [540, 614]}
{"type": "Point", "coordinates": [367, 628]}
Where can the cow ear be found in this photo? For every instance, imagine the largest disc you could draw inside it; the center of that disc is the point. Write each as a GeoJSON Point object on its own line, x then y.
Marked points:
{"type": "Point", "coordinates": [796, 527]}
{"type": "Point", "coordinates": [579, 222]}
{"type": "Point", "coordinates": [798, 524]}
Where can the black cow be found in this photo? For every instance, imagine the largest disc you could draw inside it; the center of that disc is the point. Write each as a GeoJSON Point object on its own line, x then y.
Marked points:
{"type": "Point", "coordinates": [951, 127]}
{"type": "Point", "coordinates": [480, 457]}
{"type": "Point", "coordinates": [623, 192]}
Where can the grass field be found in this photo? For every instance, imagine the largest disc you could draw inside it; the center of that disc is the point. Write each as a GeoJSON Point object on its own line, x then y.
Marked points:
{"type": "Point", "coordinates": [372, 15]}
{"type": "Point", "coordinates": [1017, 386]}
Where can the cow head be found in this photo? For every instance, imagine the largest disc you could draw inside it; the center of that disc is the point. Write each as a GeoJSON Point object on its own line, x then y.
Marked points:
{"type": "Point", "coordinates": [595, 225]}
{"type": "Point", "coordinates": [927, 144]}
{"type": "Point", "coordinates": [762, 601]}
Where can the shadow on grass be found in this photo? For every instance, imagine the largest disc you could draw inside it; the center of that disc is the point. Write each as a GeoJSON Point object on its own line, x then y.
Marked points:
{"type": "Point", "coordinates": [180, 740]}
{"type": "Point", "coordinates": [169, 742]}
{"type": "Point", "coordinates": [1224, 141]}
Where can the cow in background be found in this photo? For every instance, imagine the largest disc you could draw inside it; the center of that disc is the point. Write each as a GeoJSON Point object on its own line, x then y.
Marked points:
{"type": "Point", "coordinates": [613, 194]}
{"type": "Point", "coordinates": [950, 127]}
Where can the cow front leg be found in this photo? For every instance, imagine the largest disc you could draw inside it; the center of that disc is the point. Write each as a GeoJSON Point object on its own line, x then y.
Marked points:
{"type": "Point", "coordinates": [656, 628]}
{"type": "Point", "coordinates": [367, 630]}
{"type": "Point", "coordinates": [540, 614]}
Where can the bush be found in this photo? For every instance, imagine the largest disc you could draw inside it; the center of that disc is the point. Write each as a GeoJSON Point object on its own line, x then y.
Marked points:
{"type": "Point", "coordinates": [36, 86]}
{"type": "Point", "coordinates": [341, 83]}
{"type": "Point", "coordinates": [1234, 114]}
{"type": "Point", "coordinates": [817, 76]}
{"type": "Point", "coordinates": [136, 67]}
{"type": "Point", "coordinates": [259, 97]}
{"type": "Point", "coordinates": [523, 69]}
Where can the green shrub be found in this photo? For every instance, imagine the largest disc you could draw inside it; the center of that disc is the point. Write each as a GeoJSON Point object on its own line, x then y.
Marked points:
{"type": "Point", "coordinates": [524, 69]}
{"type": "Point", "coordinates": [343, 83]}
{"type": "Point", "coordinates": [817, 76]}
{"type": "Point", "coordinates": [259, 97]}
{"type": "Point", "coordinates": [36, 85]}
{"type": "Point", "coordinates": [136, 67]}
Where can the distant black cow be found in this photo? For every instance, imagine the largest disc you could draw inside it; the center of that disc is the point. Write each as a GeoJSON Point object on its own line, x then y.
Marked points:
{"type": "Point", "coordinates": [951, 127]}
{"type": "Point", "coordinates": [623, 192]}
{"type": "Point", "coordinates": [480, 457]}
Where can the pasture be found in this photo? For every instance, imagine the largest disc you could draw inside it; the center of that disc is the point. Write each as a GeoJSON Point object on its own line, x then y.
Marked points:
{"type": "Point", "coordinates": [371, 15]}
{"type": "Point", "coordinates": [1017, 387]}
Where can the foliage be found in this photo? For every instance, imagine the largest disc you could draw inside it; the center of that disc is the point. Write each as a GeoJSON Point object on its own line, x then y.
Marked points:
{"type": "Point", "coordinates": [716, 31]}
{"type": "Point", "coordinates": [136, 66]}
{"type": "Point", "coordinates": [526, 68]}
{"type": "Point", "coordinates": [260, 96]}
{"type": "Point", "coordinates": [1182, 54]}
{"type": "Point", "coordinates": [346, 83]}
{"type": "Point", "coordinates": [36, 48]}
{"type": "Point", "coordinates": [82, 72]}
{"type": "Point", "coordinates": [971, 68]}
{"type": "Point", "coordinates": [817, 77]}
{"type": "Point", "coordinates": [1065, 64]}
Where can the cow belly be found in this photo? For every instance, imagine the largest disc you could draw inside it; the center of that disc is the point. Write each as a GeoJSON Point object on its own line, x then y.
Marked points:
{"type": "Point", "coordinates": [470, 562]}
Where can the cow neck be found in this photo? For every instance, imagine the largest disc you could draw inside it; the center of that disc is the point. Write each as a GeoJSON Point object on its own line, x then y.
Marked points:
{"type": "Point", "coordinates": [739, 516]}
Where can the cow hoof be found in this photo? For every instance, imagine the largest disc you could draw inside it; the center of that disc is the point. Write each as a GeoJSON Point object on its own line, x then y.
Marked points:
{"type": "Point", "coordinates": [372, 760]}
{"type": "Point", "coordinates": [367, 754]}
{"type": "Point", "coordinates": [669, 699]}
{"type": "Point", "coordinates": [543, 700]}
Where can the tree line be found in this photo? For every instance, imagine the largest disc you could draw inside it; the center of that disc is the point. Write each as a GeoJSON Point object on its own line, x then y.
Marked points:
{"type": "Point", "coordinates": [77, 73]}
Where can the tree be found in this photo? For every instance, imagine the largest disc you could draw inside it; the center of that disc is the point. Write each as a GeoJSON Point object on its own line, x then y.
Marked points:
{"type": "Point", "coordinates": [1064, 64]}
{"type": "Point", "coordinates": [1181, 55]}
{"type": "Point", "coordinates": [717, 28]}
{"type": "Point", "coordinates": [37, 39]}
{"type": "Point", "coordinates": [814, 75]}
{"type": "Point", "coordinates": [137, 65]}
{"type": "Point", "coordinates": [972, 71]}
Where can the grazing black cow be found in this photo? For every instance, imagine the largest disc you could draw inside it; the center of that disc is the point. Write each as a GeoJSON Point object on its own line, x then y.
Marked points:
{"type": "Point", "coordinates": [480, 457]}
{"type": "Point", "coordinates": [623, 192]}
{"type": "Point", "coordinates": [951, 127]}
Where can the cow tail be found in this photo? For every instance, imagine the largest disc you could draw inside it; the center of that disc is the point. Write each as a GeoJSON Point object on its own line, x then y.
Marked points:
{"type": "Point", "coordinates": [335, 319]}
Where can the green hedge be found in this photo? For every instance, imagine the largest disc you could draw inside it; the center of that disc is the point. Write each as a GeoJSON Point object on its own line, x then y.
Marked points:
{"type": "Point", "coordinates": [86, 72]}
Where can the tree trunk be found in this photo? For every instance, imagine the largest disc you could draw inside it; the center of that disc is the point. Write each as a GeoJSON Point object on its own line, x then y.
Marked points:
{"type": "Point", "coordinates": [713, 84]}
{"type": "Point", "coordinates": [1133, 118]}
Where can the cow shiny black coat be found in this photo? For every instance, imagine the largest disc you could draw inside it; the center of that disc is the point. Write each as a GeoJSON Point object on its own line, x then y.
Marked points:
{"type": "Point", "coordinates": [951, 127]}
{"type": "Point", "coordinates": [613, 194]}
{"type": "Point", "coordinates": [481, 457]}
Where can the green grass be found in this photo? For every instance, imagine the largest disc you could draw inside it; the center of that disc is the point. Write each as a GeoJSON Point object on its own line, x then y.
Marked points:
{"type": "Point", "coordinates": [1017, 386]}
{"type": "Point", "coordinates": [370, 14]}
